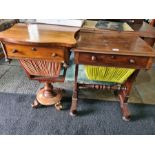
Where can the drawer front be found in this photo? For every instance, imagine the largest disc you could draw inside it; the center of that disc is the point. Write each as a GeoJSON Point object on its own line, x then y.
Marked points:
{"type": "Point", "coordinates": [22, 51]}
{"type": "Point", "coordinates": [112, 60]}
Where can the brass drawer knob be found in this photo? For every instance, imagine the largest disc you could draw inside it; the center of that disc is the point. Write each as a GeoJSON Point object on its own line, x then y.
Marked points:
{"type": "Point", "coordinates": [14, 51]}
{"type": "Point", "coordinates": [34, 49]}
{"type": "Point", "coordinates": [93, 58]}
{"type": "Point", "coordinates": [132, 61]}
{"type": "Point", "coordinates": [54, 54]}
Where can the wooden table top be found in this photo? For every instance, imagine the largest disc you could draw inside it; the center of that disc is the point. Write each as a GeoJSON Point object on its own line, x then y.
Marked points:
{"type": "Point", "coordinates": [40, 34]}
{"type": "Point", "coordinates": [112, 42]}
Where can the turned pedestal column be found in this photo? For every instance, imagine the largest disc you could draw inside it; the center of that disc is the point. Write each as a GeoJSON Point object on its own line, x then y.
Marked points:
{"type": "Point", "coordinates": [48, 96]}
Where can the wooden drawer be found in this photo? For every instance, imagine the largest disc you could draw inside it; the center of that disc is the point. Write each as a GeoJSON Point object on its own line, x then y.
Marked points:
{"type": "Point", "coordinates": [113, 60]}
{"type": "Point", "coordinates": [46, 53]}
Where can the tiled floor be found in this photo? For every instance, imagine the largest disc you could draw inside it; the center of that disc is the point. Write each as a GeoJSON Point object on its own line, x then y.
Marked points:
{"type": "Point", "coordinates": [14, 80]}
{"type": "Point", "coordinates": [145, 84]}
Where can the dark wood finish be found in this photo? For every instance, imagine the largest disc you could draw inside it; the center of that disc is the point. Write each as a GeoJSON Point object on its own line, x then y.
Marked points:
{"type": "Point", "coordinates": [123, 95]}
{"type": "Point", "coordinates": [73, 109]}
{"type": "Point", "coordinates": [148, 29]}
{"type": "Point", "coordinates": [102, 87]}
{"type": "Point", "coordinates": [112, 60]}
{"type": "Point", "coordinates": [141, 33]}
{"type": "Point", "coordinates": [152, 23]}
{"type": "Point", "coordinates": [41, 49]}
{"type": "Point", "coordinates": [150, 41]}
{"type": "Point", "coordinates": [112, 42]}
{"type": "Point", "coordinates": [111, 48]}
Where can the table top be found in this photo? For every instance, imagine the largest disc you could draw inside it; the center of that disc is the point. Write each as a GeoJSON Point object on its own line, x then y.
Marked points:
{"type": "Point", "coordinates": [112, 42]}
{"type": "Point", "coordinates": [40, 34]}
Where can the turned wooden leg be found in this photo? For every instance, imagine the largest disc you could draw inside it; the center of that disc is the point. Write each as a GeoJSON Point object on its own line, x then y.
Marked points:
{"type": "Point", "coordinates": [124, 107]}
{"type": "Point", "coordinates": [48, 90]}
{"type": "Point", "coordinates": [73, 109]}
{"type": "Point", "coordinates": [123, 96]}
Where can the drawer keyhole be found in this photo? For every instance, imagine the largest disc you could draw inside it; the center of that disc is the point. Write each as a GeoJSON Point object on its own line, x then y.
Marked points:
{"type": "Point", "coordinates": [132, 61]}
{"type": "Point", "coordinates": [93, 58]}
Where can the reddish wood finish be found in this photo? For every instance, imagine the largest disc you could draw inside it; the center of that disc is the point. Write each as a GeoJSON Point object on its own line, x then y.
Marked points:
{"type": "Point", "coordinates": [73, 109]}
{"type": "Point", "coordinates": [15, 51]}
{"type": "Point", "coordinates": [40, 34]}
{"type": "Point", "coordinates": [111, 48]}
{"type": "Point", "coordinates": [112, 60]}
{"type": "Point", "coordinates": [48, 96]}
{"type": "Point", "coordinates": [148, 29]}
{"type": "Point", "coordinates": [39, 47]}
{"type": "Point", "coordinates": [123, 96]}
{"type": "Point", "coordinates": [112, 42]}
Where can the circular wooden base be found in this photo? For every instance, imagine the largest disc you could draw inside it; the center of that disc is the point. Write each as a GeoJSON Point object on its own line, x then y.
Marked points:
{"type": "Point", "coordinates": [52, 99]}
{"type": "Point", "coordinates": [48, 96]}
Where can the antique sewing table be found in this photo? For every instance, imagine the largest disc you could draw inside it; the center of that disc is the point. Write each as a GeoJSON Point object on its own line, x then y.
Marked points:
{"type": "Point", "coordinates": [98, 47]}
{"type": "Point", "coordinates": [43, 51]}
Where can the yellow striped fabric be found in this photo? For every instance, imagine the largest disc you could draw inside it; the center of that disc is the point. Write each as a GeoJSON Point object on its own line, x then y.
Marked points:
{"type": "Point", "coordinates": [108, 74]}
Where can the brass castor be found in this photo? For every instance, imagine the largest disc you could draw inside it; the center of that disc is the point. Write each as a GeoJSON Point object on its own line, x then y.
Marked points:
{"type": "Point", "coordinates": [73, 113]}
{"type": "Point", "coordinates": [58, 106]}
{"type": "Point", "coordinates": [35, 104]}
{"type": "Point", "coordinates": [127, 119]}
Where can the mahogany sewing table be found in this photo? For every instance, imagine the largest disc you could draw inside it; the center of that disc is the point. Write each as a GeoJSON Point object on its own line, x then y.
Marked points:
{"type": "Point", "coordinates": [38, 47]}
{"type": "Point", "coordinates": [43, 51]}
{"type": "Point", "coordinates": [98, 47]}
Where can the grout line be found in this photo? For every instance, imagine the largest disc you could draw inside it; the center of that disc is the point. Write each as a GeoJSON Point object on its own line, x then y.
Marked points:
{"type": "Point", "coordinates": [5, 72]}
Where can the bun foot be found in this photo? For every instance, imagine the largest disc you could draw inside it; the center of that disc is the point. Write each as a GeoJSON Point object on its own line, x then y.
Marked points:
{"type": "Point", "coordinates": [73, 113]}
{"type": "Point", "coordinates": [58, 106]}
{"type": "Point", "coordinates": [35, 104]}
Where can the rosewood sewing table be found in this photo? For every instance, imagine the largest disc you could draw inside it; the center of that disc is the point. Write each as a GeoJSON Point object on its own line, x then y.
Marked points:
{"type": "Point", "coordinates": [98, 47]}
{"type": "Point", "coordinates": [43, 51]}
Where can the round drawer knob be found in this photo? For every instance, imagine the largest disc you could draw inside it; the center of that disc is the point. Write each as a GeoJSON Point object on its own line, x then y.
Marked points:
{"type": "Point", "coordinates": [53, 54]}
{"type": "Point", "coordinates": [113, 56]}
{"type": "Point", "coordinates": [34, 49]}
{"type": "Point", "coordinates": [14, 51]}
{"type": "Point", "coordinates": [132, 61]}
{"type": "Point", "coordinates": [93, 58]}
